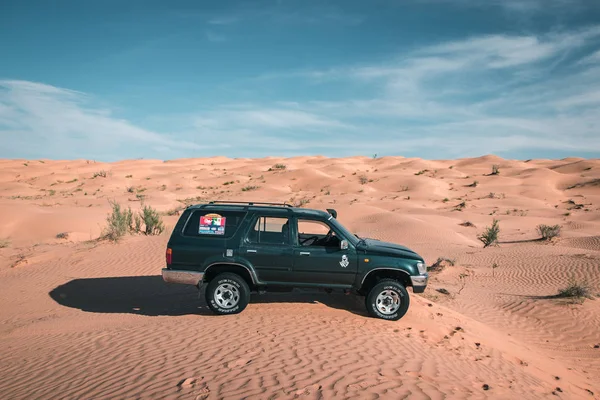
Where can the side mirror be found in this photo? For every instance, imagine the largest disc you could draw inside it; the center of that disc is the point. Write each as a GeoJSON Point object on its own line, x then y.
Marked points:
{"type": "Point", "coordinates": [344, 244]}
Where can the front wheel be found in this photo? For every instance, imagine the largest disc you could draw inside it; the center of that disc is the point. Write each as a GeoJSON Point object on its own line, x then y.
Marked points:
{"type": "Point", "coordinates": [387, 300]}
{"type": "Point", "coordinates": [227, 293]}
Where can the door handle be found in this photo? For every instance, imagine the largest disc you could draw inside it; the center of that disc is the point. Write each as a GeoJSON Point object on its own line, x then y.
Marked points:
{"type": "Point", "coordinates": [250, 251]}
{"type": "Point", "coordinates": [305, 253]}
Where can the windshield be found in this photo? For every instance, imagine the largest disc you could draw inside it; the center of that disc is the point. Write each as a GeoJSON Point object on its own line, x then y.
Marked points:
{"type": "Point", "coordinates": [341, 229]}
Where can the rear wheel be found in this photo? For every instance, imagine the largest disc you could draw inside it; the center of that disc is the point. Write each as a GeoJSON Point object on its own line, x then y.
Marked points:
{"type": "Point", "coordinates": [388, 299]}
{"type": "Point", "coordinates": [227, 293]}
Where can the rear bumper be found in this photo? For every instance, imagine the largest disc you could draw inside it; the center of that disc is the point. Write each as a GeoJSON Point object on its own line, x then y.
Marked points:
{"type": "Point", "coordinates": [184, 277]}
{"type": "Point", "coordinates": [419, 282]}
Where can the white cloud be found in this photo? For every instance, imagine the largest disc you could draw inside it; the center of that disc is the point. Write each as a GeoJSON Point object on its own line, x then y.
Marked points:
{"type": "Point", "coordinates": [58, 122]}
{"type": "Point", "coordinates": [224, 20]}
{"type": "Point", "coordinates": [483, 94]}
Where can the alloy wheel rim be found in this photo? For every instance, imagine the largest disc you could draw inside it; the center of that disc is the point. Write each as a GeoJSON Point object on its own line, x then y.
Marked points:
{"type": "Point", "coordinates": [227, 295]}
{"type": "Point", "coordinates": [388, 302]}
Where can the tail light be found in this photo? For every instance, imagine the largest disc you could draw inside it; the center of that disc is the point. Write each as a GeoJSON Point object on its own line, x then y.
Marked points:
{"type": "Point", "coordinates": [169, 256]}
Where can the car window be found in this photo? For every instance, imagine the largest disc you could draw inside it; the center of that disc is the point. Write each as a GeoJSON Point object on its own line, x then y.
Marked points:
{"type": "Point", "coordinates": [221, 224]}
{"type": "Point", "coordinates": [271, 230]}
{"type": "Point", "coordinates": [314, 233]}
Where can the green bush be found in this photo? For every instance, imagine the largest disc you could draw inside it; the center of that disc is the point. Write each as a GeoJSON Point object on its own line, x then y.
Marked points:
{"type": "Point", "coordinates": [490, 236]}
{"type": "Point", "coordinates": [152, 221]}
{"type": "Point", "coordinates": [118, 222]}
{"type": "Point", "coordinates": [121, 221]}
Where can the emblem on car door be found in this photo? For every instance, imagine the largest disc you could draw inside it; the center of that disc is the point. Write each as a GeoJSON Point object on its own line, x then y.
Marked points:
{"type": "Point", "coordinates": [344, 263]}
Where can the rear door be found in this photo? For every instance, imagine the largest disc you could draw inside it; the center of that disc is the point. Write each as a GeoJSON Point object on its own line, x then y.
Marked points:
{"type": "Point", "coordinates": [318, 258]}
{"type": "Point", "coordinates": [206, 233]}
{"type": "Point", "coordinates": [268, 247]}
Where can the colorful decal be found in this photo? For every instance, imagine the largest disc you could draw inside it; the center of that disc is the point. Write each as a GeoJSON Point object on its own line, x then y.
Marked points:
{"type": "Point", "coordinates": [212, 224]}
{"type": "Point", "coordinates": [344, 263]}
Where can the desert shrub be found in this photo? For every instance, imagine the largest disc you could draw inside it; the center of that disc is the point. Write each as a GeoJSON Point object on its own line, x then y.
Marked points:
{"type": "Point", "coordinates": [130, 189]}
{"type": "Point", "coordinates": [445, 200]}
{"type": "Point", "coordinates": [363, 179]}
{"type": "Point", "coordinates": [474, 184]}
{"type": "Point", "coordinates": [548, 231]}
{"type": "Point", "coordinates": [467, 223]}
{"type": "Point", "coordinates": [101, 174]}
{"type": "Point", "coordinates": [118, 222]}
{"type": "Point", "coordinates": [575, 289]}
{"type": "Point", "coordinates": [490, 236]}
{"type": "Point", "coordinates": [301, 202]}
{"type": "Point", "coordinates": [461, 206]}
{"type": "Point", "coordinates": [278, 167]}
{"type": "Point", "coordinates": [495, 169]}
{"type": "Point", "coordinates": [441, 263]}
{"type": "Point", "coordinates": [249, 188]}
{"type": "Point", "coordinates": [136, 225]}
{"type": "Point", "coordinates": [152, 221]}
{"type": "Point", "coordinates": [421, 172]}
{"type": "Point", "coordinates": [228, 183]}
{"type": "Point", "coordinates": [4, 243]}
{"type": "Point", "coordinates": [374, 156]}
{"type": "Point", "coordinates": [62, 235]}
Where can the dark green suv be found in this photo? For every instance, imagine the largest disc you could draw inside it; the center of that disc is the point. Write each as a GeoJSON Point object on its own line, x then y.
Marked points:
{"type": "Point", "coordinates": [239, 247]}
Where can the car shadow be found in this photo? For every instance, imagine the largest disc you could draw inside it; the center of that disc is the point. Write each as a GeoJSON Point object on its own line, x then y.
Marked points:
{"type": "Point", "coordinates": [151, 296]}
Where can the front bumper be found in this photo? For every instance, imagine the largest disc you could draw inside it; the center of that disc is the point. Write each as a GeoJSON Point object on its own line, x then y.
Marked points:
{"type": "Point", "coordinates": [419, 282]}
{"type": "Point", "coordinates": [180, 276]}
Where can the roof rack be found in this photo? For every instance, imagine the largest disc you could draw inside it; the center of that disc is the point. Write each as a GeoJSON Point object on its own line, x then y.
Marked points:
{"type": "Point", "coordinates": [250, 203]}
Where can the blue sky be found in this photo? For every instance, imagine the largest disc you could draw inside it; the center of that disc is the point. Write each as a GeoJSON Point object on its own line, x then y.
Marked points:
{"type": "Point", "coordinates": [110, 80]}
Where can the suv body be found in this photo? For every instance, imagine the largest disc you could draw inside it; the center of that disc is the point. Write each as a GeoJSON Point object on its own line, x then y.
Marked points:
{"type": "Point", "coordinates": [237, 248]}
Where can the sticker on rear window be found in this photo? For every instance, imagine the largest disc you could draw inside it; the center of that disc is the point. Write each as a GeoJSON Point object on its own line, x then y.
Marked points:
{"type": "Point", "coordinates": [212, 224]}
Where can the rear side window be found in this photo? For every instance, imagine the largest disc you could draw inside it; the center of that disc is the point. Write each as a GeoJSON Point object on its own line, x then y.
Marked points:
{"type": "Point", "coordinates": [270, 230]}
{"type": "Point", "coordinates": [219, 224]}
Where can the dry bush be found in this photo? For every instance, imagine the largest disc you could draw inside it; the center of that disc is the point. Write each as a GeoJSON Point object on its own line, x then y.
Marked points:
{"type": "Point", "coordinates": [101, 174]}
{"type": "Point", "coordinates": [279, 167]}
{"type": "Point", "coordinates": [576, 290]}
{"type": "Point", "coordinates": [547, 232]}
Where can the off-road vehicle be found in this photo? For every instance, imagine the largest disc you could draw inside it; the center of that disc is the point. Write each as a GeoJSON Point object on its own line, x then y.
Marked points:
{"type": "Point", "coordinates": [236, 248]}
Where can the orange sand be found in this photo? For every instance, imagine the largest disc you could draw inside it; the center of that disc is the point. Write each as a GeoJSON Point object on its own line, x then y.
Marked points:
{"type": "Point", "coordinates": [82, 318]}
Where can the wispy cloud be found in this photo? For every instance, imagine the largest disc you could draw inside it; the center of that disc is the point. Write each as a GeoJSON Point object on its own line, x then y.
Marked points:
{"type": "Point", "coordinates": [215, 37]}
{"type": "Point", "coordinates": [51, 121]}
{"type": "Point", "coordinates": [224, 20]}
{"type": "Point", "coordinates": [482, 94]}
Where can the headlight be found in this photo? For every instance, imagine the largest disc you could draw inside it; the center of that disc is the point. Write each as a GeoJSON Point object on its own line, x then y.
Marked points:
{"type": "Point", "coordinates": [421, 267]}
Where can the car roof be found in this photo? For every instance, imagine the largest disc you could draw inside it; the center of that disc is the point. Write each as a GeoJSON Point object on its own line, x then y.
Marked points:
{"type": "Point", "coordinates": [273, 208]}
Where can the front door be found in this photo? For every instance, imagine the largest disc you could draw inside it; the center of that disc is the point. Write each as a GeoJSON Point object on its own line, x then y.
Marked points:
{"type": "Point", "coordinates": [268, 248]}
{"type": "Point", "coordinates": [318, 258]}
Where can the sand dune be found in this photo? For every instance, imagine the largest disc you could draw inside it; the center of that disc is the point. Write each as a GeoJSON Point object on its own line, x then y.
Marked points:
{"type": "Point", "coordinates": [82, 318]}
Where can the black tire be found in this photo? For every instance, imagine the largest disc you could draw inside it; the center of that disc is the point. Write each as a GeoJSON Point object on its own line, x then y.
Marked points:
{"type": "Point", "coordinates": [234, 294]}
{"type": "Point", "coordinates": [396, 291]}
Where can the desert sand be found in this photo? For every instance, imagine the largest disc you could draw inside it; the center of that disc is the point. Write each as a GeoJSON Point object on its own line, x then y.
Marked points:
{"type": "Point", "coordinates": [83, 318]}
